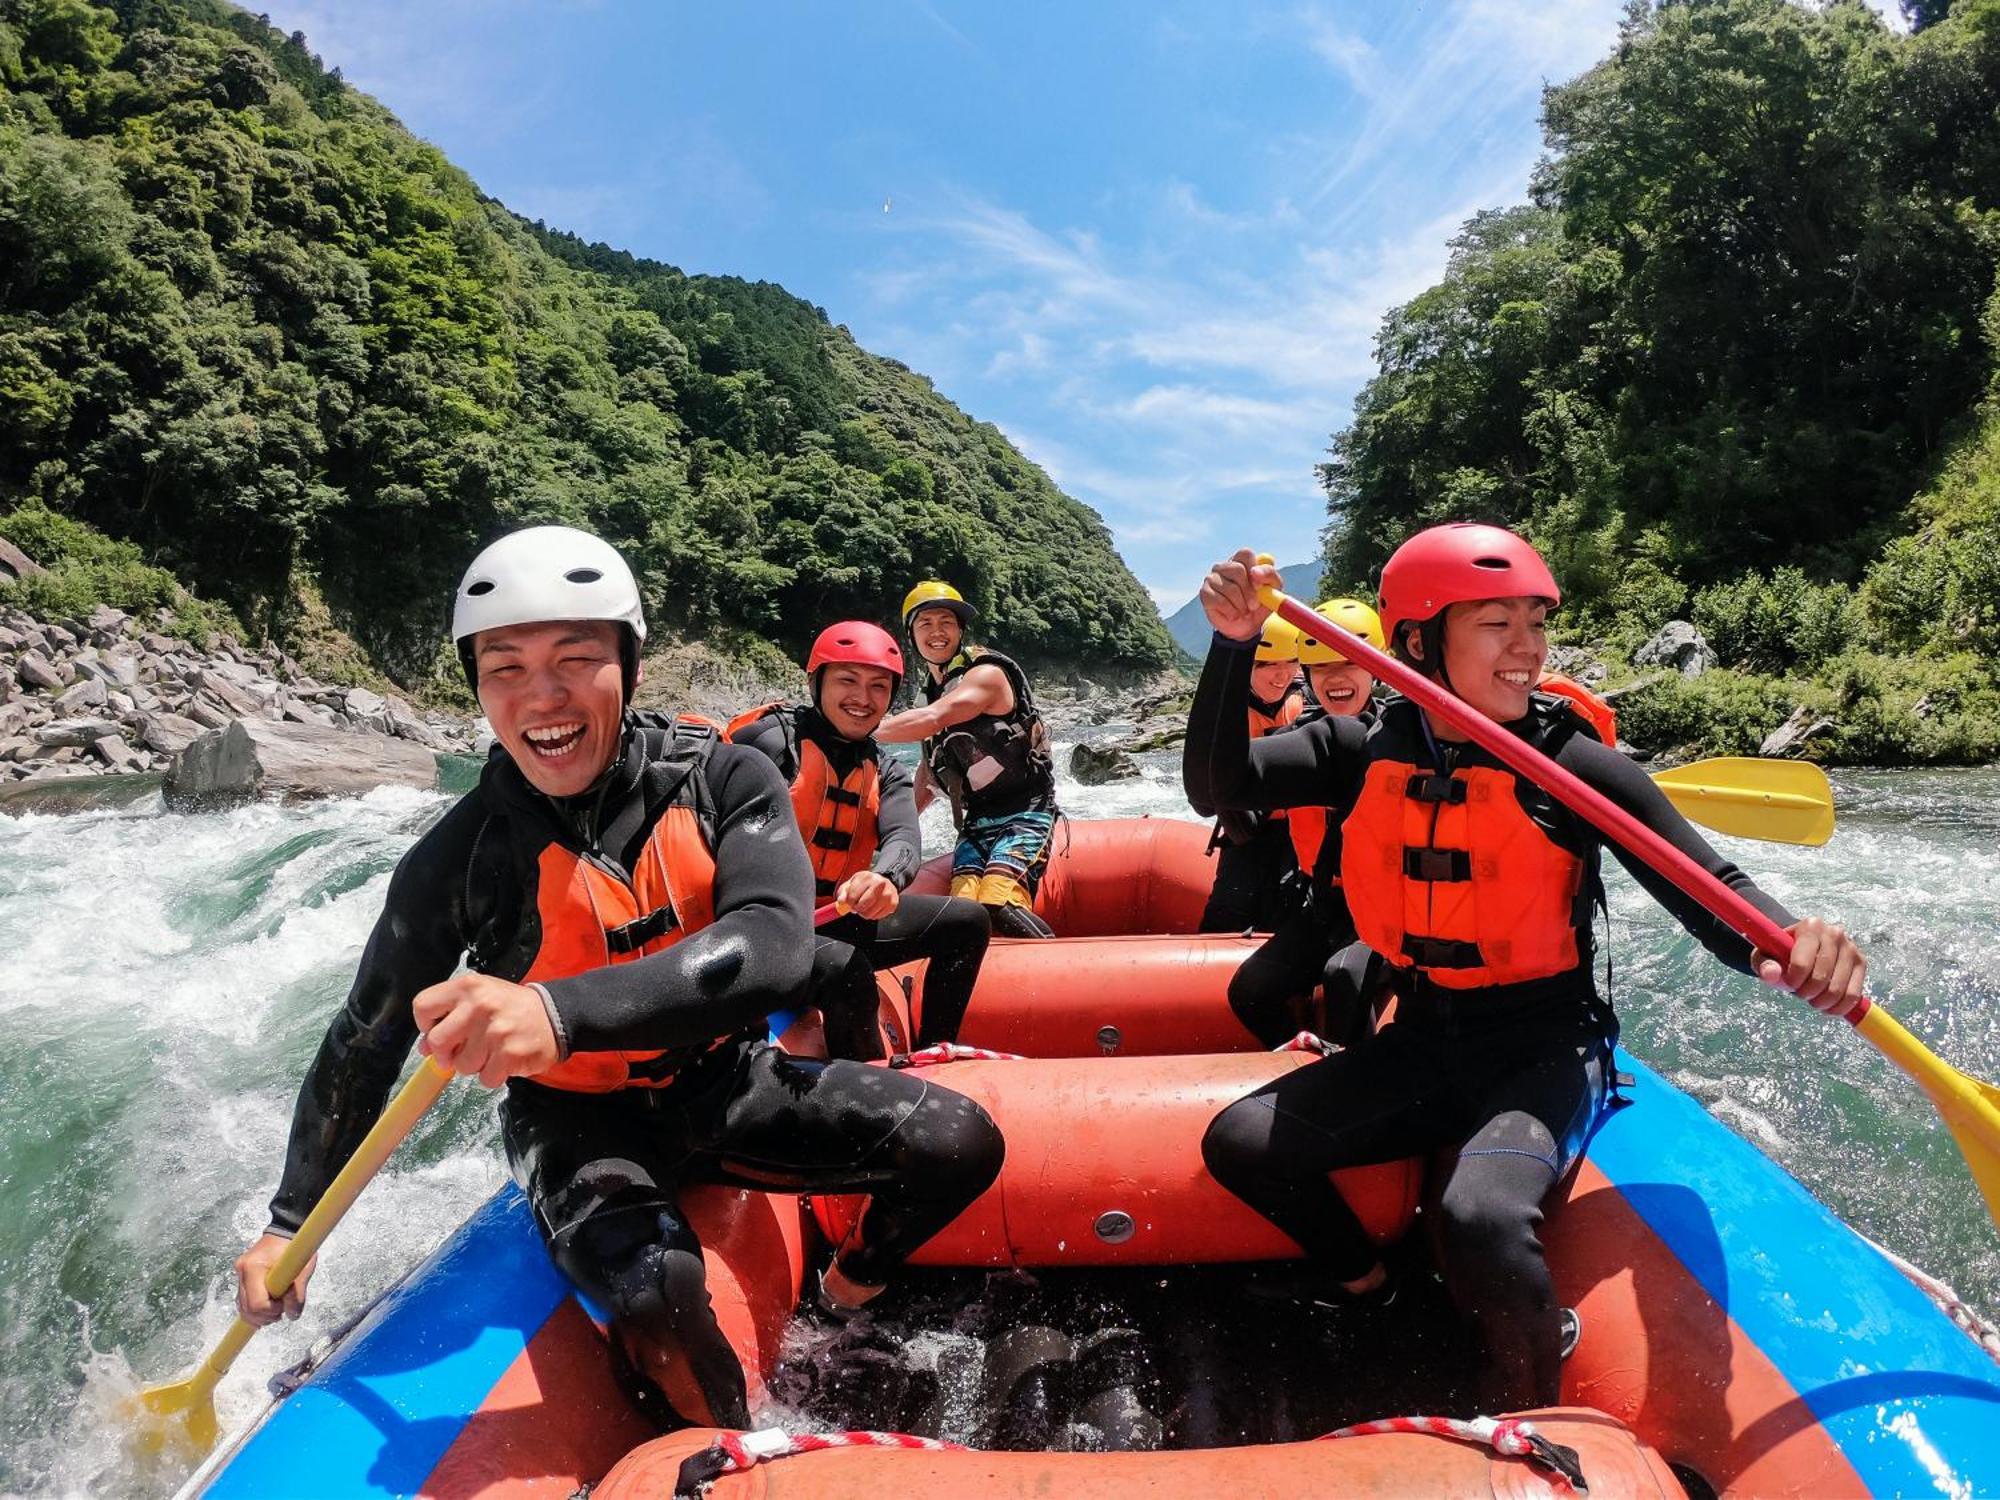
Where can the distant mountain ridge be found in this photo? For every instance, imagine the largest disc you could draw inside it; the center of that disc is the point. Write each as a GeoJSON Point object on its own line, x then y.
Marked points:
{"type": "Point", "coordinates": [1190, 629]}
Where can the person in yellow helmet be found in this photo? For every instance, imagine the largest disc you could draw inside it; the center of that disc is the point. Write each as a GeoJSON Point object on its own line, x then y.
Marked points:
{"type": "Point", "coordinates": [1313, 947]}
{"type": "Point", "coordinates": [986, 748]}
{"type": "Point", "coordinates": [1256, 869]}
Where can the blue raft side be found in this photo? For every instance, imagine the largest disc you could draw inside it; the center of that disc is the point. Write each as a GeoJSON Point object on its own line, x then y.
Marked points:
{"type": "Point", "coordinates": [376, 1418]}
{"type": "Point", "coordinates": [1912, 1402]}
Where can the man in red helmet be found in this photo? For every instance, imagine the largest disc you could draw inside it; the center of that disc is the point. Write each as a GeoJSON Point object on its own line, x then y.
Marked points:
{"type": "Point", "coordinates": [1480, 889]}
{"type": "Point", "coordinates": [857, 813]}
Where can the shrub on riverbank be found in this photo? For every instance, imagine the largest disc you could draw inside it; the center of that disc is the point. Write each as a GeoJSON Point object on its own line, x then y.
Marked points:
{"type": "Point", "coordinates": [84, 568]}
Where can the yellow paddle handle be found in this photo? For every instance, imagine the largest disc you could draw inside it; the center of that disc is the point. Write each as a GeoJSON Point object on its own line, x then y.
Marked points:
{"type": "Point", "coordinates": [402, 1113]}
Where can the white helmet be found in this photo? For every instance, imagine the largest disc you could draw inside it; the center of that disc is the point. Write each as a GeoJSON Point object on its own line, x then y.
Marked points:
{"type": "Point", "coordinates": [545, 573]}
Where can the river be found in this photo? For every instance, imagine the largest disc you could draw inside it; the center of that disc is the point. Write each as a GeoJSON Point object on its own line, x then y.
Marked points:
{"type": "Point", "coordinates": [165, 979]}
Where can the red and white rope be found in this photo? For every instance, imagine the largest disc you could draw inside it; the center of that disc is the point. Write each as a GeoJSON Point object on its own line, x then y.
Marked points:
{"type": "Point", "coordinates": [734, 1452]}
{"type": "Point", "coordinates": [1947, 1301]}
{"type": "Point", "coordinates": [944, 1052]}
{"type": "Point", "coordinates": [1307, 1041]}
{"type": "Point", "coordinates": [1514, 1437]}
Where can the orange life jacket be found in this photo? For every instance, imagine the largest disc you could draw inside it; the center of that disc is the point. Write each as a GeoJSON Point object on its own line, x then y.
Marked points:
{"type": "Point", "coordinates": [838, 817]}
{"type": "Point", "coordinates": [1261, 724]}
{"type": "Point", "coordinates": [1597, 713]}
{"type": "Point", "coordinates": [1449, 874]}
{"type": "Point", "coordinates": [1308, 826]}
{"type": "Point", "coordinates": [590, 917]}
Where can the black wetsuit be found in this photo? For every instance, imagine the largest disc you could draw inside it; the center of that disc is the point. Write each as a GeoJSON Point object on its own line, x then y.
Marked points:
{"type": "Point", "coordinates": [1512, 1077]}
{"type": "Point", "coordinates": [603, 1170]}
{"type": "Point", "coordinates": [949, 931]}
{"type": "Point", "coordinates": [1311, 947]}
{"type": "Point", "coordinates": [1257, 881]}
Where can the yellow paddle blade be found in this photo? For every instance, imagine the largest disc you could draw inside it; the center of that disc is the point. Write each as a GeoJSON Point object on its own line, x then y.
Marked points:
{"type": "Point", "coordinates": [1969, 1107]}
{"type": "Point", "coordinates": [1782, 801]}
{"type": "Point", "coordinates": [179, 1416]}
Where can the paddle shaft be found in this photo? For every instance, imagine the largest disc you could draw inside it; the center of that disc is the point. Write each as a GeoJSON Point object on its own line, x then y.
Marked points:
{"type": "Point", "coordinates": [1586, 801]}
{"type": "Point", "coordinates": [402, 1113]}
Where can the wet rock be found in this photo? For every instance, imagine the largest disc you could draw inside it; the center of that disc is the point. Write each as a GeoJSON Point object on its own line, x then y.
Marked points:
{"type": "Point", "coordinates": [1095, 766]}
{"type": "Point", "coordinates": [35, 671]}
{"type": "Point", "coordinates": [1677, 645]}
{"type": "Point", "coordinates": [1790, 737]}
{"type": "Point", "coordinates": [256, 758]}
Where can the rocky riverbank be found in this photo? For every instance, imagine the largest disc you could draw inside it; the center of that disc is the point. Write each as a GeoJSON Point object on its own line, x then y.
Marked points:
{"type": "Point", "coordinates": [114, 695]}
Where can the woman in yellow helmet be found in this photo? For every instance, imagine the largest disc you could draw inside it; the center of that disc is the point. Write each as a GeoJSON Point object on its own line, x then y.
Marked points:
{"type": "Point", "coordinates": [1313, 944]}
{"type": "Point", "coordinates": [985, 746]}
{"type": "Point", "coordinates": [1256, 871]}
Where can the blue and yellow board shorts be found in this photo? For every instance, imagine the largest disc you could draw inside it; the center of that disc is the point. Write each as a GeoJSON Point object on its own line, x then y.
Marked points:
{"type": "Point", "coordinates": [999, 860]}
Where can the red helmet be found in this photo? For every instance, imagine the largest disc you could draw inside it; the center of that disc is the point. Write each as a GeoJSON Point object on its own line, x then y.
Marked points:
{"type": "Point", "coordinates": [859, 644]}
{"type": "Point", "coordinates": [1456, 564]}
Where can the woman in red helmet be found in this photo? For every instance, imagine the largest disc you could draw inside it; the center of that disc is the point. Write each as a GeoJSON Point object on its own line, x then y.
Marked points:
{"type": "Point", "coordinates": [1479, 888]}
{"type": "Point", "coordinates": [857, 813]}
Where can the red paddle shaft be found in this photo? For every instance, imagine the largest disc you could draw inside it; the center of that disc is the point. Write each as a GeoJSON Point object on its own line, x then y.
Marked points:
{"type": "Point", "coordinates": [1587, 802]}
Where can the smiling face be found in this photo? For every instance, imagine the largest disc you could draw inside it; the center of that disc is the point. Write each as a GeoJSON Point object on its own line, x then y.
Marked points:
{"type": "Point", "coordinates": [1493, 653]}
{"type": "Point", "coordinates": [554, 693]}
{"type": "Point", "coordinates": [853, 699]}
{"type": "Point", "coordinates": [1340, 686]}
{"type": "Point", "coordinates": [937, 633]}
{"type": "Point", "coordinates": [1270, 680]}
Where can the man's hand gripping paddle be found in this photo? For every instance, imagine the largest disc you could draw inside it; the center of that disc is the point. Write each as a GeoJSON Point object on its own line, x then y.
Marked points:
{"type": "Point", "coordinates": [1969, 1107]}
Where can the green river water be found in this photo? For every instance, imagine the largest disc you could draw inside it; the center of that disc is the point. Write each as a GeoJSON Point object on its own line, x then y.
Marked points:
{"type": "Point", "coordinates": [165, 979]}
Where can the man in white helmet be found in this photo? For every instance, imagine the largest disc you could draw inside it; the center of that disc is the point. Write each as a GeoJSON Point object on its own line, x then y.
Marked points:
{"type": "Point", "coordinates": [630, 899]}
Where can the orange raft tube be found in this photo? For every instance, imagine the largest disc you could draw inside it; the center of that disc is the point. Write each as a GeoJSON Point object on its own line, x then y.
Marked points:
{"type": "Point", "coordinates": [1126, 973]}
{"type": "Point", "coordinates": [1104, 1168]}
{"type": "Point", "coordinates": [1385, 1464]}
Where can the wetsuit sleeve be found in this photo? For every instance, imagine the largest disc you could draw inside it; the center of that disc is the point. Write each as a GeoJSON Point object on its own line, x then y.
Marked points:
{"type": "Point", "coordinates": [767, 736]}
{"type": "Point", "coordinates": [1632, 789]}
{"type": "Point", "coordinates": [753, 959]}
{"type": "Point", "coordinates": [1222, 769]}
{"type": "Point", "coordinates": [417, 942]}
{"type": "Point", "coordinates": [899, 847]}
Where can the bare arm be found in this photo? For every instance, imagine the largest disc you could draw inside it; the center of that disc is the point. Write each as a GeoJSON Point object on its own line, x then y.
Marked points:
{"type": "Point", "coordinates": [983, 690]}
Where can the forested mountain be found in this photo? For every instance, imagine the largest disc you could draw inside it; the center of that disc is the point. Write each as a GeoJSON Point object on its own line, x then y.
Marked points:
{"type": "Point", "coordinates": [250, 323]}
{"type": "Point", "coordinates": [1736, 361]}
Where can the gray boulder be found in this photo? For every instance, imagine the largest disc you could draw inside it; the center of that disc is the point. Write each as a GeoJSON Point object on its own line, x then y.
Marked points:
{"type": "Point", "coordinates": [256, 758]}
{"type": "Point", "coordinates": [1094, 766]}
{"type": "Point", "coordinates": [77, 732]}
{"type": "Point", "coordinates": [35, 671]}
{"type": "Point", "coordinates": [1678, 645]}
{"type": "Point", "coordinates": [169, 734]}
{"type": "Point", "coordinates": [115, 753]}
{"type": "Point", "coordinates": [1790, 737]}
{"type": "Point", "coordinates": [14, 563]}
{"type": "Point", "coordinates": [89, 693]}
{"type": "Point", "coordinates": [363, 704]}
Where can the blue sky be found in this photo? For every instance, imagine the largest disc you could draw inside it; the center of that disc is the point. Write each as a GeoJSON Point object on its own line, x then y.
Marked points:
{"type": "Point", "coordinates": [1150, 241]}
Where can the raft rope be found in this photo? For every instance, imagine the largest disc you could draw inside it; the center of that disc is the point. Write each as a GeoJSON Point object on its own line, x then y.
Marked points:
{"type": "Point", "coordinates": [1515, 1437]}
{"type": "Point", "coordinates": [734, 1452]}
{"type": "Point", "coordinates": [944, 1052]}
{"type": "Point", "coordinates": [1947, 1301]}
{"type": "Point", "coordinates": [1307, 1041]}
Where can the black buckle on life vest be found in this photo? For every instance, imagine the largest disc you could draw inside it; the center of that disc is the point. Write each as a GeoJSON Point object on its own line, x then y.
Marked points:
{"type": "Point", "coordinates": [654, 1070]}
{"type": "Point", "coordinates": [1441, 953]}
{"type": "Point", "coordinates": [1437, 864]}
{"type": "Point", "coordinates": [1430, 786]}
{"type": "Point", "coordinates": [832, 838]}
{"type": "Point", "coordinates": [843, 796]}
{"type": "Point", "coordinates": [640, 931]}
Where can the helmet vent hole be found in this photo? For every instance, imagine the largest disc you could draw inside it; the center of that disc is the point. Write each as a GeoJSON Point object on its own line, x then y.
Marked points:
{"type": "Point", "coordinates": [484, 586]}
{"type": "Point", "coordinates": [1497, 564]}
{"type": "Point", "coordinates": [584, 575]}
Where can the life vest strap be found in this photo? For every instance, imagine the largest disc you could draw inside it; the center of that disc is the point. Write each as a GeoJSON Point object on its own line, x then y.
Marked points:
{"type": "Point", "coordinates": [1437, 865]}
{"type": "Point", "coordinates": [832, 838]}
{"type": "Point", "coordinates": [845, 796]}
{"type": "Point", "coordinates": [640, 931]}
{"type": "Point", "coordinates": [1430, 786]}
{"type": "Point", "coordinates": [1442, 953]}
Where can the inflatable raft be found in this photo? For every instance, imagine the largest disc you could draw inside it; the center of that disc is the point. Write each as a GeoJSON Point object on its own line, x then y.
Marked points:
{"type": "Point", "coordinates": [1738, 1339]}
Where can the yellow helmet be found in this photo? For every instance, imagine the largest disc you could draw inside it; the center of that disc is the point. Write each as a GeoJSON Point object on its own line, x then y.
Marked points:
{"type": "Point", "coordinates": [1350, 615]}
{"type": "Point", "coordinates": [1279, 641]}
{"type": "Point", "coordinates": [935, 591]}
